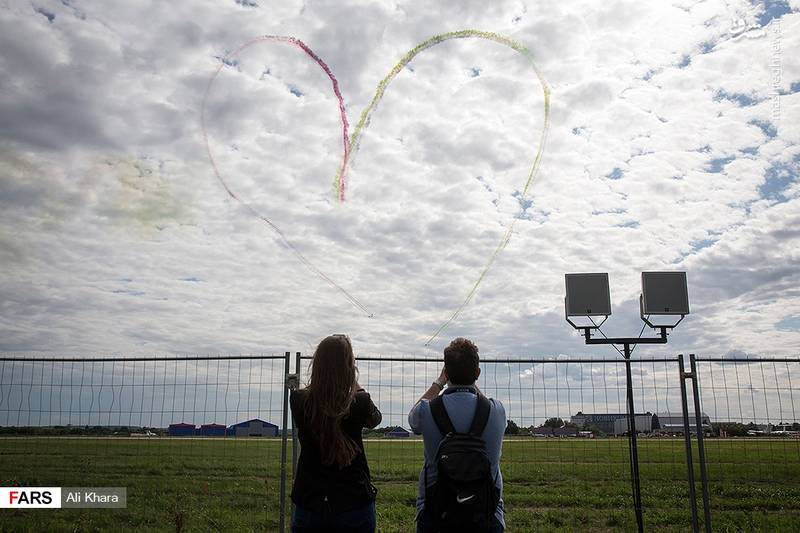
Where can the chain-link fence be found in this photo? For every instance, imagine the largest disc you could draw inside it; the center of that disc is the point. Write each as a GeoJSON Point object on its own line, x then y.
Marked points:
{"type": "Point", "coordinates": [565, 459]}
{"type": "Point", "coordinates": [173, 430]}
{"type": "Point", "coordinates": [203, 443]}
{"type": "Point", "coordinates": [752, 453]}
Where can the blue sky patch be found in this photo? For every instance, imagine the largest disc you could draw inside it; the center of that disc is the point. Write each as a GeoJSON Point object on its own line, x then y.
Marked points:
{"type": "Point", "coordinates": [524, 203]}
{"type": "Point", "coordinates": [631, 224]}
{"type": "Point", "coordinates": [766, 127]}
{"type": "Point", "coordinates": [615, 174]}
{"type": "Point", "coordinates": [191, 280]}
{"type": "Point", "coordinates": [740, 99]}
{"type": "Point", "coordinates": [474, 72]}
{"type": "Point", "coordinates": [229, 61]}
{"type": "Point", "coordinates": [701, 243]}
{"type": "Point", "coordinates": [777, 178]}
{"type": "Point", "coordinates": [788, 323]}
{"type": "Point", "coordinates": [773, 9]}
{"type": "Point", "coordinates": [718, 164]}
{"type": "Point", "coordinates": [615, 211]}
{"type": "Point", "coordinates": [295, 91]}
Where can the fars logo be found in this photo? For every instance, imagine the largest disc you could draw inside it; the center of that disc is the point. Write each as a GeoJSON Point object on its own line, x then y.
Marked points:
{"type": "Point", "coordinates": [30, 497]}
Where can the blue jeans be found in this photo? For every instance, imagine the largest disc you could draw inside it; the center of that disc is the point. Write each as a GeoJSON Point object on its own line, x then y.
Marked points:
{"type": "Point", "coordinates": [360, 520]}
{"type": "Point", "coordinates": [425, 525]}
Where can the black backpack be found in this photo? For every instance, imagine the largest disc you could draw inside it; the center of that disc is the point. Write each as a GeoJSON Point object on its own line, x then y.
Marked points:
{"type": "Point", "coordinates": [464, 497]}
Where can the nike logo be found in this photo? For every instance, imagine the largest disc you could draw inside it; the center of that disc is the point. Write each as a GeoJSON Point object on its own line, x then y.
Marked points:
{"type": "Point", "coordinates": [462, 500]}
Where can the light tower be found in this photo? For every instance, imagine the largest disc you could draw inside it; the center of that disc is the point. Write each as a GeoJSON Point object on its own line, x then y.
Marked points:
{"type": "Point", "coordinates": [664, 294]}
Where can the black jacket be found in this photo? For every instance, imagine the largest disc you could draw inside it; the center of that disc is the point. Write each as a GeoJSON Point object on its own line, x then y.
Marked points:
{"type": "Point", "coordinates": [321, 487]}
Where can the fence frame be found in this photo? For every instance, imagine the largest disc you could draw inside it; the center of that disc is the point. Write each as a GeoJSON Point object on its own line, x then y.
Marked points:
{"type": "Point", "coordinates": [284, 408]}
{"type": "Point", "coordinates": [696, 378]}
{"type": "Point", "coordinates": [632, 431]}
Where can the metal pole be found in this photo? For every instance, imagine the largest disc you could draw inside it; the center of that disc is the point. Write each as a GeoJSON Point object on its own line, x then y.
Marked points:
{"type": "Point", "coordinates": [294, 432]}
{"type": "Point", "coordinates": [634, 453]}
{"type": "Point", "coordinates": [284, 437]}
{"type": "Point", "coordinates": [687, 437]}
{"type": "Point", "coordinates": [295, 442]}
{"type": "Point", "coordinates": [701, 449]}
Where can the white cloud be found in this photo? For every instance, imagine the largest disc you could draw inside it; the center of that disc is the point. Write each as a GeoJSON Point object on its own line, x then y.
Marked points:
{"type": "Point", "coordinates": [104, 176]}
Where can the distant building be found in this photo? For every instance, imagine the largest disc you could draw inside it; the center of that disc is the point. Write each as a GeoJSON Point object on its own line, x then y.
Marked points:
{"type": "Point", "coordinates": [673, 423]}
{"type": "Point", "coordinates": [615, 423]}
{"type": "Point", "coordinates": [602, 421]}
{"type": "Point", "coordinates": [212, 430]}
{"type": "Point", "coordinates": [253, 428]}
{"type": "Point", "coordinates": [542, 431]}
{"type": "Point", "coordinates": [397, 433]}
{"type": "Point", "coordinates": [181, 429]}
{"type": "Point", "coordinates": [644, 424]}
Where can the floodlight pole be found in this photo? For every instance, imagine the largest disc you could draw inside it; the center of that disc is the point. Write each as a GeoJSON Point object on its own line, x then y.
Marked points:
{"type": "Point", "coordinates": [627, 342]}
{"type": "Point", "coordinates": [634, 451]}
{"type": "Point", "coordinates": [590, 297]}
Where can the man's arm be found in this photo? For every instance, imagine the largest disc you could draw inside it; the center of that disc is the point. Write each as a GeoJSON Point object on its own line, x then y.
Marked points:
{"type": "Point", "coordinates": [432, 392]}
{"type": "Point", "coordinates": [500, 421]}
{"type": "Point", "coordinates": [436, 387]}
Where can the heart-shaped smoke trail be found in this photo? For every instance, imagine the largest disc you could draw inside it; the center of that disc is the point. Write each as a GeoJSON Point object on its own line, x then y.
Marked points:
{"type": "Point", "coordinates": [351, 147]}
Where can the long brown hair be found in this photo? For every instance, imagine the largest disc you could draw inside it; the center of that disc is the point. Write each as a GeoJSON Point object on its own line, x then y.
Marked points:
{"type": "Point", "coordinates": [331, 392]}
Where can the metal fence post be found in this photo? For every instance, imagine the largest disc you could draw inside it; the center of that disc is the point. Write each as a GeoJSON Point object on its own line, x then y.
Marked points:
{"type": "Point", "coordinates": [687, 437]}
{"type": "Point", "coordinates": [295, 444]}
{"type": "Point", "coordinates": [701, 449]}
{"type": "Point", "coordinates": [284, 436]}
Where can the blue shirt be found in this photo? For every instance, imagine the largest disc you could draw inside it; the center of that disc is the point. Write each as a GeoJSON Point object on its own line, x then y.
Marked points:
{"type": "Point", "coordinates": [459, 401]}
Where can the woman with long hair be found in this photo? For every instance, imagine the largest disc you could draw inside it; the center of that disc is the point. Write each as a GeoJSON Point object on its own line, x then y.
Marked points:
{"type": "Point", "coordinates": [332, 488]}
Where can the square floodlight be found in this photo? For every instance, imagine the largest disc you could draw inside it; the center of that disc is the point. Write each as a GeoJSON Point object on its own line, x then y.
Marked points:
{"type": "Point", "coordinates": [664, 293]}
{"type": "Point", "coordinates": [587, 294]}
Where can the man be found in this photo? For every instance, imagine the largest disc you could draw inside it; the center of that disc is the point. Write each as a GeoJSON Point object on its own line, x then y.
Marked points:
{"type": "Point", "coordinates": [460, 372]}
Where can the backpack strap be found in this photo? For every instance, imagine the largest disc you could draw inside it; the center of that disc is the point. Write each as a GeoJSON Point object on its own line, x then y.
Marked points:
{"type": "Point", "coordinates": [440, 416]}
{"type": "Point", "coordinates": [481, 417]}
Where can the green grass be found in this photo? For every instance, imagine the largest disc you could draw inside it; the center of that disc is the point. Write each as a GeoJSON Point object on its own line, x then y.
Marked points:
{"type": "Point", "coordinates": [550, 484]}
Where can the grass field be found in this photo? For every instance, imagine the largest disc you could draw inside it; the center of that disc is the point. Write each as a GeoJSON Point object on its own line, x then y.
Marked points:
{"type": "Point", "coordinates": [550, 484]}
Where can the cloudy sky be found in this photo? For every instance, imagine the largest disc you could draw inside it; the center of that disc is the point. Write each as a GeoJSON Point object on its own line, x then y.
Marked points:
{"type": "Point", "coordinates": [673, 146]}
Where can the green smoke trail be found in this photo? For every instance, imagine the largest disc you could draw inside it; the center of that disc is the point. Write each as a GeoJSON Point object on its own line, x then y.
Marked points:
{"type": "Point", "coordinates": [366, 114]}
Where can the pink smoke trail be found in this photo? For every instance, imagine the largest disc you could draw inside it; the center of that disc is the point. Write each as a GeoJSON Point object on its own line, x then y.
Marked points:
{"type": "Point", "coordinates": [345, 157]}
